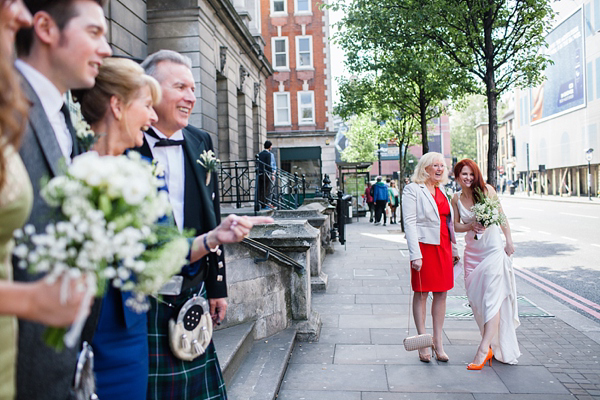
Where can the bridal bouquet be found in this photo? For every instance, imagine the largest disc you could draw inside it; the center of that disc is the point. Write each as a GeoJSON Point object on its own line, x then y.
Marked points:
{"type": "Point", "coordinates": [487, 212]}
{"type": "Point", "coordinates": [108, 233]}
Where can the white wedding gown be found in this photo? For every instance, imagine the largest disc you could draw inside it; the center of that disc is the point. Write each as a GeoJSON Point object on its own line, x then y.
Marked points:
{"type": "Point", "coordinates": [491, 288]}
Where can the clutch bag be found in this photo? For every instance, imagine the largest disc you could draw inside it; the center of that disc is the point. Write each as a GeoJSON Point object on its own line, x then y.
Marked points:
{"type": "Point", "coordinates": [418, 342]}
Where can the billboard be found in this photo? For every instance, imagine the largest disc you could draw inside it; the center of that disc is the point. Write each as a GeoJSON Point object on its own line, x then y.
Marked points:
{"type": "Point", "coordinates": [563, 90]}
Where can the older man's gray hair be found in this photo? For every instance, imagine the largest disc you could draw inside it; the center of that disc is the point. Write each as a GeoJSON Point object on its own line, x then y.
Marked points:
{"type": "Point", "coordinates": [154, 59]}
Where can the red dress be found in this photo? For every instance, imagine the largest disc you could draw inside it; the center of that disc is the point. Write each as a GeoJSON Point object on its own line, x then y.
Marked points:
{"type": "Point", "coordinates": [437, 272]}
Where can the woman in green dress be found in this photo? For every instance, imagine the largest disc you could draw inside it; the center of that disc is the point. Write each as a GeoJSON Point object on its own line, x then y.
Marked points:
{"type": "Point", "coordinates": [36, 301]}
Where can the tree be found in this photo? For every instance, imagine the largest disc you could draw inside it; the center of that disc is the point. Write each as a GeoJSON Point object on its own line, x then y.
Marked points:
{"type": "Point", "coordinates": [469, 113]}
{"type": "Point", "coordinates": [363, 136]}
{"type": "Point", "coordinates": [406, 72]}
{"type": "Point", "coordinates": [497, 41]}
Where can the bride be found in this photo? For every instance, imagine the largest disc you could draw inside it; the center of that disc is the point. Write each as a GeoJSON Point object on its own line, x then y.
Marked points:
{"type": "Point", "coordinates": [489, 275]}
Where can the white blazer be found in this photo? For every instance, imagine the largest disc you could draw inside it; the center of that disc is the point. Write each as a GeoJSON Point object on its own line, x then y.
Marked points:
{"type": "Point", "coordinates": [422, 219]}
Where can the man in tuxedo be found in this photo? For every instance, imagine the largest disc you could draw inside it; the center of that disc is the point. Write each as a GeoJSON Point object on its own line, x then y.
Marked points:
{"type": "Point", "coordinates": [62, 51]}
{"type": "Point", "coordinates": [176, 145]}
{"type": "Point", "coordinates": [265, 170]}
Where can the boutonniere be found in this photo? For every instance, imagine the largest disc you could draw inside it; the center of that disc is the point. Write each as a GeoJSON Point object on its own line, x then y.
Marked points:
{"type": "Point", "coordinates": [211, 163]}
{"type": "Point", "coordinates": [83, 131]}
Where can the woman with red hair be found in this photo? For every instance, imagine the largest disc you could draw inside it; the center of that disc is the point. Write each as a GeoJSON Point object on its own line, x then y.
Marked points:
{"type": "Point", "coordinates": [489, 275]}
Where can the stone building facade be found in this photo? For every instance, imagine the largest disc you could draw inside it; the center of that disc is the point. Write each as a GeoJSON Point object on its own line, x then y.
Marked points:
{"type": "Point", "coordinates": [224, 43]}
{"type": "Point", "coordinates": [298, 98]}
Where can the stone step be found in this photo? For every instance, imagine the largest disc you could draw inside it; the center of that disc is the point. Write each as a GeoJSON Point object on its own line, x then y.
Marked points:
{"type": "Point", "coordinates": [233, 345]}
{"type": "Point", "coordinates": [260, 375]}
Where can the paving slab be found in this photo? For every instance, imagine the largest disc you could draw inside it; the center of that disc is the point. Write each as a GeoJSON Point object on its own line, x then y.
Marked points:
{"type": "Point", "coordinates": [345, 336]}
{"type": "Point", "coordinates": [528, 379]}
{"type": "Point", "coordinates": [373, 354]}
{"type": "Point", "coordinates": [372, 321]}
{"type": "Point", "coordinates": [336, 377]}
{"type": "Point", "coordinates": [417, 396]}
{"type": "Point", "coordinates": [397, 299]}
{"type": "Point", "coordinates": [318, 395]}
{"type": "Point", "coordinates": [443, 379]}
{"type": "Point", "coordinates": [313, 353]}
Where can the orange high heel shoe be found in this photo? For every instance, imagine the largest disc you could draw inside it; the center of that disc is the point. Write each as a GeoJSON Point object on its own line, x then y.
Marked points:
{"type": "Point", "coordinates": [477, 367]}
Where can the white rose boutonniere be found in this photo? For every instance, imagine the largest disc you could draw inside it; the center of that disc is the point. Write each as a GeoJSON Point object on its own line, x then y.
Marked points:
{"type": "Point", "coordinates": [83, 131]}
{"type": "Point", "coordinates": [208, 160]}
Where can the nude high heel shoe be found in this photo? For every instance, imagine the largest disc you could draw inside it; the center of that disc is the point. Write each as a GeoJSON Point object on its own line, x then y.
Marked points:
{"type": "Point", "coordinates": [477, 367]}
{"type": "Point", "coordinates": [439, 357]}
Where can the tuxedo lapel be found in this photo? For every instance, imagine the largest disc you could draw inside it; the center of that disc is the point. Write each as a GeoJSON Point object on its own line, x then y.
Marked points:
{"type": "Point", "coordinates": [42, 130]}
{"type": "Point", "coordinates": [144, 149]}
{"type": "Point", "coordinates": [193, 147]}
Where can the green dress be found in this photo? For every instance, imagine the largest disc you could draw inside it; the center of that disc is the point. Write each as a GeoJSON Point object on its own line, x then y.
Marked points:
{"type": "Point", "coordinates": [16, 198]}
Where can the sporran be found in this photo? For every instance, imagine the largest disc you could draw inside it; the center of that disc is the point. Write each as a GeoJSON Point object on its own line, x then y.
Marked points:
{"type": "Point", "coordinates": [191, 333]}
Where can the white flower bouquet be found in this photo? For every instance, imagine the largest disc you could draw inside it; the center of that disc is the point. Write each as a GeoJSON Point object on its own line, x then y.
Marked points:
{"type": "Point", "coordinates": [487, 212]}
{"type": "Point", "coordinates": [110, 207]}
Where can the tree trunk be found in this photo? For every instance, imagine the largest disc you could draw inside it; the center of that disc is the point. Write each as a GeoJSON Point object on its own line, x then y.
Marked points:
{"type": "Point", "coordinates": [492, 97]}
{"type": "Point", "coordinates": [423, 117]}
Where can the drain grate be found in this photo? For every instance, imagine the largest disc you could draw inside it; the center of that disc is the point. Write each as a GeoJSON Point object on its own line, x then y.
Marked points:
{"type": "Point", "coordinates": [458, 307]}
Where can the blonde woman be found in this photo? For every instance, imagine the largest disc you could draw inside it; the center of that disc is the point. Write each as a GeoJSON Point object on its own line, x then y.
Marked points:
{"type": "Point", "coordinates": [428, 224]}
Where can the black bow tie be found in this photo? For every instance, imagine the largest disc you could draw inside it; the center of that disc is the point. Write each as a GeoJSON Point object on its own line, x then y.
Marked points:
{"type": "Point", "coordinates": [164, 142]}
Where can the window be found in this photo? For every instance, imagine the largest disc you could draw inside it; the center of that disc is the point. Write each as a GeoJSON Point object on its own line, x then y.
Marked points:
{"type": "Point", "coordinates": [306, 108]}
{"type": "Point", "coordinates": [280, 53]}
{"type": "Point", "coordinates": [278, 7]}
{"type": "Point", "coordinates": [304, 52]}
{"type": "Point", "coordinates": [303, 7]}
{"type": "Point", "coordinates": [282, 108]}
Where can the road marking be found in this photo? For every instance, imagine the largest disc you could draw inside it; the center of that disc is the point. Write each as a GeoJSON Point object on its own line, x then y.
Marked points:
{"type": "Point", "coordinates": [594, 244]}
{"type": "Point", "coordinates": [579, 215]}
{"type": "Point", "coordinates": [523, 227]}
{"type": "Point", "coordinates": [529, 276]}
{"type": "Point", "coordinates": [568, 238]}
{"type": "Point", "coordinates": [532, 209]}
{"type": "Point", "coordinates": [403, 253]}
{"type": "Point", "coordinates": [544, 233]}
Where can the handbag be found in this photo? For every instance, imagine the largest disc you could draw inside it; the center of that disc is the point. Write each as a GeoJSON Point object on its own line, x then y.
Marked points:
{"type": "Point", "coordinates": [416, 342]}
{"type": "Point", "coordinates": [191, 332]}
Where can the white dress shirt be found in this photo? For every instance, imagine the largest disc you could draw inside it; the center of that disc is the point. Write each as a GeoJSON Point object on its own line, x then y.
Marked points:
{"type": "Point", "coordinates": [52, 102]}
{"type": "Point", "coordinates": [171, 159]}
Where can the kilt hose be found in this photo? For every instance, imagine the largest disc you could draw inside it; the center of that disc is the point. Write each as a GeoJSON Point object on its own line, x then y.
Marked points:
{"type": "Point", "coordinates": [171, 378]}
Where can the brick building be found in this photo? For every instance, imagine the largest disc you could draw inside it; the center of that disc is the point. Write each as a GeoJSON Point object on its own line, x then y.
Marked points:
{"type": "Point", "coordinates": [298, 94]}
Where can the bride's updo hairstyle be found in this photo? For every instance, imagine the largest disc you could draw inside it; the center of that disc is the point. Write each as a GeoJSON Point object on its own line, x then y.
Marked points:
{"type": "Point", "coordinates": [478, 181]}
{"type": "Point", "coordinates": [421, 176]}
{"type": "Point", "coordinates": [118, 77]}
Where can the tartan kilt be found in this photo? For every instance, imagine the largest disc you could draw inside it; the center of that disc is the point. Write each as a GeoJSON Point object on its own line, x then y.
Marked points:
{"type": "Point", "coordinates": [171, 378]}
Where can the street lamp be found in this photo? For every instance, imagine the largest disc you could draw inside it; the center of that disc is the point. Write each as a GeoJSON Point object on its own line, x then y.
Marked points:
{"type": "Point", "coordinates": [588, 156]}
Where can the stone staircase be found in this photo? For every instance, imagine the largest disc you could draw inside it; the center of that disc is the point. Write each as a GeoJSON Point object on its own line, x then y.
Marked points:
{"type": "Point", "coordinates": [253, 370]}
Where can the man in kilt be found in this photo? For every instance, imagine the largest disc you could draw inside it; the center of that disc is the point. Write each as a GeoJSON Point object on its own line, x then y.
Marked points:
{"type": "Point", "coordinates": [194, 198]}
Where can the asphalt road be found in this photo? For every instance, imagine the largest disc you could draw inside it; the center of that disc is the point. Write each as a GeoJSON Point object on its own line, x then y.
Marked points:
{"type": "Point", "coordinates": [559, 242]}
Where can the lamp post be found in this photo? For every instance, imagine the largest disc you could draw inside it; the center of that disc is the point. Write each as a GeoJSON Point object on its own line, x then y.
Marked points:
{"type": "Point", "coordinates": [589, 153]}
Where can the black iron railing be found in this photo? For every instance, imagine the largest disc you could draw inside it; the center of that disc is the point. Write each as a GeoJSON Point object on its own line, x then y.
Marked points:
{"type": "Point", "coordinates": [252, 182]}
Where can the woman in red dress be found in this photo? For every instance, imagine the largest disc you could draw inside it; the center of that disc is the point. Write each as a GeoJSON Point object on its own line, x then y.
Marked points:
{"type": "Point", "coordinates": [428, 224]}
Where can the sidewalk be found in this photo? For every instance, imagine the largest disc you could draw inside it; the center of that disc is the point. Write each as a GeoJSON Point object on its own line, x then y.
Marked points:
{"type": "Point", "coordinates": [564, 199]}
{"type": "Point", "coordinates": [360, 355]}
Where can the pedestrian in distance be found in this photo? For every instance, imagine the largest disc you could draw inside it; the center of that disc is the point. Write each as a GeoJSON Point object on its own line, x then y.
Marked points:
{"type": "Point", "coordinates": [265, 172]}
{"type": "Point", "coordinates": [428, 223]}
{"type": "Point", "coordinates": [370, 201]}
{"type": "Point", "coordinates": [380, 196]}
{"type": "Point", "coordinates": [394, 201]}
{"type": "Point", "coordinates": [489, 274]}
{"type": "Point", "coordinates": [61, 51]}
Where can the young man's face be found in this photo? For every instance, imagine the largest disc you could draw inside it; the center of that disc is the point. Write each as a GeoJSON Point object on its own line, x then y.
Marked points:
{"type": "Point", "coordinates": [82, 45]}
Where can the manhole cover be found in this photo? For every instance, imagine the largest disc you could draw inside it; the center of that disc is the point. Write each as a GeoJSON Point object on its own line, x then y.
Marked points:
{"type": "Point", "coordinates": [458, 307]}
